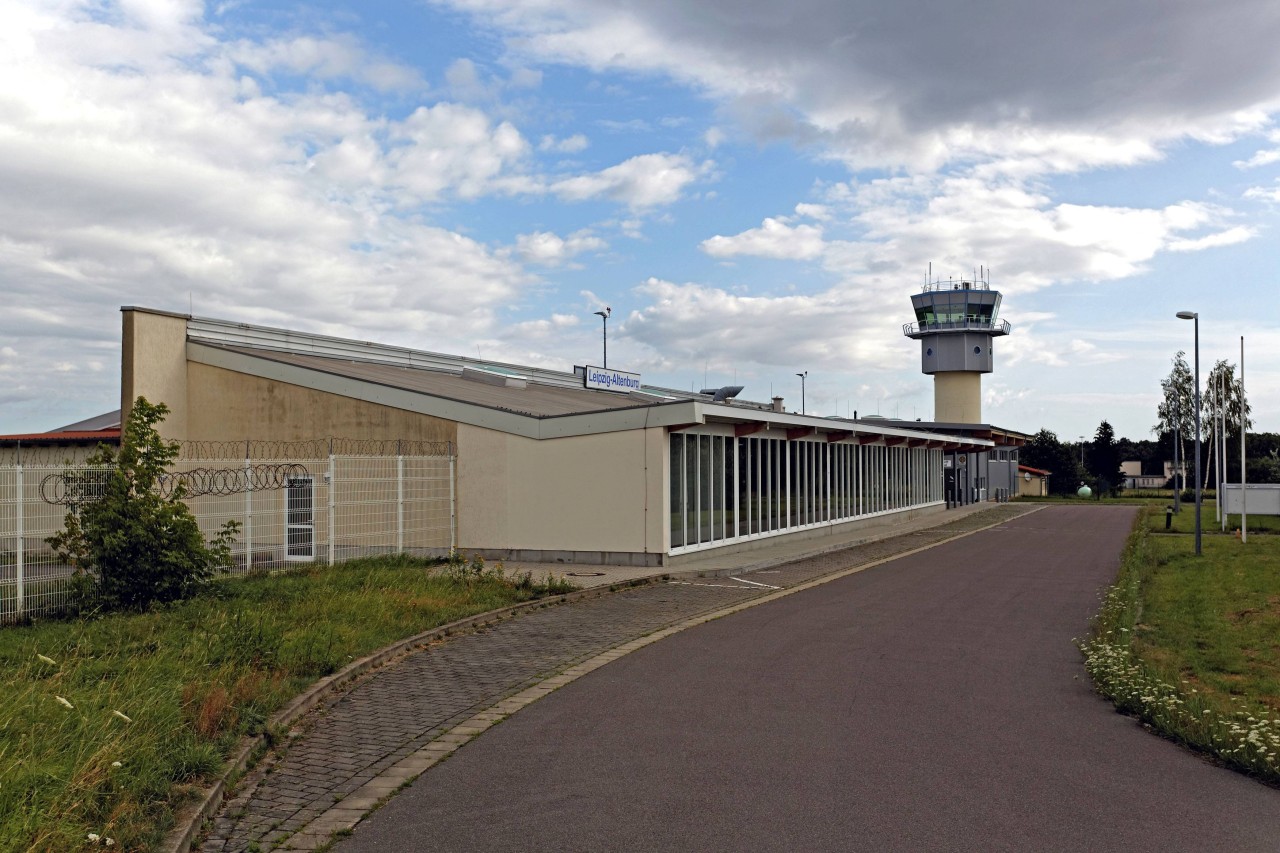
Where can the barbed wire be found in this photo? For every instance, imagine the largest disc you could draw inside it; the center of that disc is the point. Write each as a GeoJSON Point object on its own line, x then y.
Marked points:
{"type": "Point", "coordinates": [90, 485]}
{"type": "Point", "coordinates": [195, 451]}
{"type": "Point", "coordinates": [311, 449]}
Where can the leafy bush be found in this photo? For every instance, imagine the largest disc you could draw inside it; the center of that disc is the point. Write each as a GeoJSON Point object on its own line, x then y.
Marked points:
{"type": "Point", "coordinates": [130, 545]}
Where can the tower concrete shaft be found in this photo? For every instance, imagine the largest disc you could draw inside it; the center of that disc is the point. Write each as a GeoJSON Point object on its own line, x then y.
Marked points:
{"type": "Point", "coordinates": [956, 323]}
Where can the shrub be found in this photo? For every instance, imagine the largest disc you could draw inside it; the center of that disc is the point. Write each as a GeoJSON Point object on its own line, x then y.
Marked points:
{"type": "Point", "coordinates": [131, 545]}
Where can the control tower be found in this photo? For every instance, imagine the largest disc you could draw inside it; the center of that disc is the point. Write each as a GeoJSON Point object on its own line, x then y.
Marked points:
{"type": "Point", "coordinates": [956, 322]}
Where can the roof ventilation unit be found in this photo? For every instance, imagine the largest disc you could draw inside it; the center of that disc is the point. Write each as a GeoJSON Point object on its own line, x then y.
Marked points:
{"type": "Point", "coordinates": [723, 395]}
{"type": "Point", "coordinates": [491, 377]}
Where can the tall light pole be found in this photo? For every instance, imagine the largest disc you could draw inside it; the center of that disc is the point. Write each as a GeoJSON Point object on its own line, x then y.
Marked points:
{"type": "Point", "coordinates": [604, 324]}
{"type": "Point", "coordinates": [1244, 489]}
{"type": "Point", "coordinates": [1192, 315]}
{"type": "Point", "coordinates": [803, 377]}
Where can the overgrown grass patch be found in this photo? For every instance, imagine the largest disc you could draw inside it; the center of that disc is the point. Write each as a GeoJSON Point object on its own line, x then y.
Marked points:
{"type": "Point", "coordinates": [108, 723]}
{"type": "Point", "coordinates": [1191, 645]}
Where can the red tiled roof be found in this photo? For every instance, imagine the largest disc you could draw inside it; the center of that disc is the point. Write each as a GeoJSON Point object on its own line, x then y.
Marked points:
{"type": "Point", "coordinates": [106, 435]}
{"type": "Point", "coordinates": [1031, 470]}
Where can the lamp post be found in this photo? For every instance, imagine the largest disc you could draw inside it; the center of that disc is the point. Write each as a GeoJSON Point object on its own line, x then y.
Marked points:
{"type": "Point", "coordinates": [803, 377]}
{"type": "Point", "coordinates": [1194, 316]}
{"type": "Point", "coordinates": [604, 329]}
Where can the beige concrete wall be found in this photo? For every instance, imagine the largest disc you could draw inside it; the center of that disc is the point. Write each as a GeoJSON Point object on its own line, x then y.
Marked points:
{"type": "Point", "coordinates": [153, 364]}
{"type": "Point", "coordinates": [1037, 486]}
{"type": "Point", "coordinates": [592, 493]}
{"type": "Point", "coordinates": [227, 406]}
{"type": "Point", "coordinates": [957, 397]}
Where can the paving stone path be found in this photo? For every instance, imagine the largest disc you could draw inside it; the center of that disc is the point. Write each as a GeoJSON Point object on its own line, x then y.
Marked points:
{"type": "Point", "coordinates": [348, 743]}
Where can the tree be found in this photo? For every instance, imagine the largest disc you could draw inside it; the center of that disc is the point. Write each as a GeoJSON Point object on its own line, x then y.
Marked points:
{"type": "Point", "coordinates": [1175, 413]}
{"type": "Point", "coordinates": [131, 545]}
{"type": "Point", "coordinates": [1046, 452]}
{"type": "Point", "coordinates": [1222, 396]}
{"type": "Point", "coordinates": [1104, 459]}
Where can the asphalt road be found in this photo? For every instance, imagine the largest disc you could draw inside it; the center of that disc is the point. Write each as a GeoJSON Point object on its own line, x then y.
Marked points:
{"type": "Point", "coordinates": [932, 703]}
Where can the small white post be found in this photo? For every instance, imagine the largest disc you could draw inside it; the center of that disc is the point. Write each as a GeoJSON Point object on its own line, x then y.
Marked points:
{"type": "Point", "coordinates": [399, 504]}
{"type": "Point", "coordinates": [333, 488]}
{"type": "Point", "coordinates": [21, 505]}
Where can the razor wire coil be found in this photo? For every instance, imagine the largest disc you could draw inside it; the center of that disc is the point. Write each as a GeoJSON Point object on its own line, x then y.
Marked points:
{"type": "Point", "coordinates": [86, 486]}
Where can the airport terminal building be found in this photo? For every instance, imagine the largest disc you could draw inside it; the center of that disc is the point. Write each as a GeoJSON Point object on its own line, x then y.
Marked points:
{"type": "Point", "coordinates": [587, 465]}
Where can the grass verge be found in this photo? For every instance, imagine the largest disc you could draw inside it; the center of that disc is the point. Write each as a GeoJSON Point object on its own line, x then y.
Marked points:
{"type": "Point", "coordinates": [1191, 645]}
{"type": "Point", "coordinates": [109, 723]}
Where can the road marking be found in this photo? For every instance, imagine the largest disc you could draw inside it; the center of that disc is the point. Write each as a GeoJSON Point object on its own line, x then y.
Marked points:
{"type": "Point", "coordinates": [754, 583]}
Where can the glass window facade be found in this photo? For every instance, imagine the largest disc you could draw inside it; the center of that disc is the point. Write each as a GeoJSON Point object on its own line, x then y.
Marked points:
{"type": "Point", "coordinates": [725, 489]}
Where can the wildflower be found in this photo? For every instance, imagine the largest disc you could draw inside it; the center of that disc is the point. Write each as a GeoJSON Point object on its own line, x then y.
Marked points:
{"type": "Point", "coordinates": [94, 837]}
{"type": "Point", "coordinates": [116, 764]}
{"type": "Point", "coordinates": [62, 701]}
{"type": "Point", "coordinates": [109, 842]}
{"type": "Point", "coordinates": [48, 660]}
{"type": "Point", "coordinates": [121, 716]}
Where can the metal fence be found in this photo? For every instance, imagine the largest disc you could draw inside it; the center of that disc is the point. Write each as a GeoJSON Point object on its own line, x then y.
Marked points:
{"type": "Point", "coordinates": [290, 511]}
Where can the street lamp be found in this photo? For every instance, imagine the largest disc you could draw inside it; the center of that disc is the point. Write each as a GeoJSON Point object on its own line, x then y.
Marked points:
{"type": "Point", "coordinates": [803, 377]}
{"type": "Point", "coordinates": [604, 323]}
{"type": "Point", "coordinates": [1192, 315]}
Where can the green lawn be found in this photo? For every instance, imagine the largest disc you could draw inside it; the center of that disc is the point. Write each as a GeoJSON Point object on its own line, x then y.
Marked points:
{"type": "Point", "coordinates": [1191, 645]}
{"type": "Point", "coordinates": [108, 723]}
{"type": "Point", "coordinates": [1215, 620]}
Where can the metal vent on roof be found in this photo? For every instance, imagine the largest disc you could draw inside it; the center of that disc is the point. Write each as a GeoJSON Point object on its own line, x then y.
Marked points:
{"type": "Point", "coordinates": [723, 395]}
{"type": "Point", "coordinates": [489, 377]}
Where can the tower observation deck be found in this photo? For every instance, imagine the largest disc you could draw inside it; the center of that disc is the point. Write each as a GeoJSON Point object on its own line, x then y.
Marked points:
{"type": "Point", "coordinates": [956, 322]}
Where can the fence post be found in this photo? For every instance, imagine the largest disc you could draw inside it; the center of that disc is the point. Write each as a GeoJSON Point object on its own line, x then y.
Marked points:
{"type": "Point", "coordinates": [453, 504]}
{"type": "Point", "coordinates": [333, 488]}
{"type": "Point", "coordinates": [21, 505]}
{"type": "Point", "coordinates": [399, 504]}
{"type": "Point", "coordinates": [248, 513]}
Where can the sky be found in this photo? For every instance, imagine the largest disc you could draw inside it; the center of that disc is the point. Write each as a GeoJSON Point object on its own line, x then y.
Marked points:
{"type": "Point", "coordinates": [755, 189]}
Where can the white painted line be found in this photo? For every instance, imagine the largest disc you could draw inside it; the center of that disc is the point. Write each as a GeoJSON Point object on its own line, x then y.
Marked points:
{"type": "Point", "coordinates": [754, 583]}
{"type": "Point", "coordinates": [720, 585]}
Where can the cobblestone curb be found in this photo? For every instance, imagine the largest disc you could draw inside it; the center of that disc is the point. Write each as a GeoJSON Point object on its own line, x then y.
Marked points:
{"type": "Point", "coordinates": [190, 819]}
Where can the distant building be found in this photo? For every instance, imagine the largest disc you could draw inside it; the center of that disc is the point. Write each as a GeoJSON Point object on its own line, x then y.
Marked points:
{"type": "Point", "coordinates": [1033, 482]}
{"type": "Point", "coordinates": [71, 443]}
{"type": "Point", "coordinates": [1135, 479]}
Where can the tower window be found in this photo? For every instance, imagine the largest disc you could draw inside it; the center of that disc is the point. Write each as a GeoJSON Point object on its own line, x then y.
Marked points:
{"type": "Point", "coordinates": [977, 350]}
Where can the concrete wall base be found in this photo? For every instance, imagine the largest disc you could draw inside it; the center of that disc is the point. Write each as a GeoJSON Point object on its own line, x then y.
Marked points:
{"type": "Point", "coordinates": [582, 558]}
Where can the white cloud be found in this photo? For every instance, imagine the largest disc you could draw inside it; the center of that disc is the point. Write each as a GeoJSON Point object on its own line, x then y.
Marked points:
{"type": "Point", "coordinates": [775, 238]}
{"type": "Point", "coordinates": [548, 249]}
{"type": "Point", "coordinates": [323, 58]}
{"type": "Point", "coordinates": [1229, 237]}
{"type": "Point", "coordinates": [820, 212]}
{"type": "Point", "coordinates": [1262, 158]}
{"type": "Point", "coordinates": [888, 86]}
{"type": "Point", "coordinates": [568, 145]}
{"type": "Point", "coordinates": [645, 181]}
{"type": "Point", "coordinates": [1271, 194]}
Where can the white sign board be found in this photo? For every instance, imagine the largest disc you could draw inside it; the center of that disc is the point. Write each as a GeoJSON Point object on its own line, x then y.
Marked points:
{"type": "Point", "coordinates": [1264, 499]}
{"type": "Point", "coordinates": [604, 379]}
